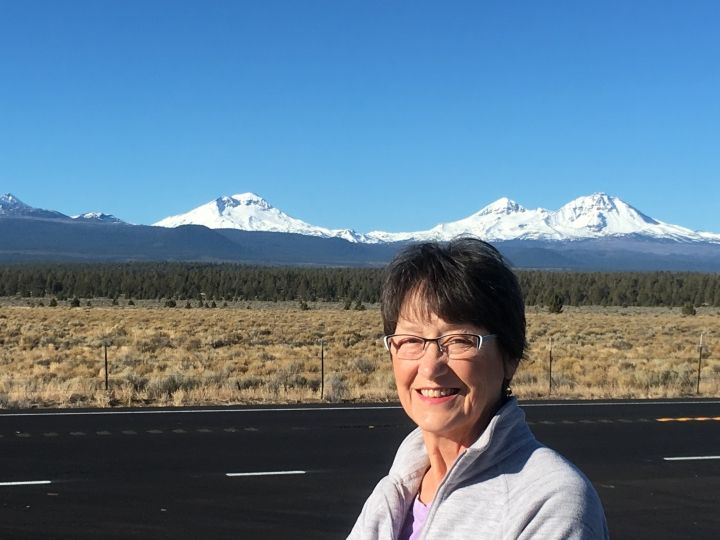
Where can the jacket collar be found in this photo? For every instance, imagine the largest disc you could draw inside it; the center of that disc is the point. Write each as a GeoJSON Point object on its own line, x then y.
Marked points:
{"type": "Point", "coordinates": [506, 431]}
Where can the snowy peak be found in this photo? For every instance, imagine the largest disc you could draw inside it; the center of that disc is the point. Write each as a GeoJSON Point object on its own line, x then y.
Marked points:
{"type": "Point", "coordinates": [503, 207]}
{"type": "Point", "coordinates": [242, 199]}
{"type": "Point", "coordinates": [250, 212]}
{"type": "Point", "coordinates": [10, 204]}
{"type": "Point", "coordinates": [251, 199]}
{"type": "Point", "coordinates": [98, 217]}
{"type": "Point", "coordinates": [12, 207]}
{"type": "Point", "coordinates": [594, 216]}
{"type": "Point", "coordinates": [601, 213]}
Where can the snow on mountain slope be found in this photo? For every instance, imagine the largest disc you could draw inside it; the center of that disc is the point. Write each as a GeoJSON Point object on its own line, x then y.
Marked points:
{"type": "Point", "coordinates": [98, 217]}
{"type": "Point", "coordinates": [600, 215]}
{"type": "Point", "coordinates": [250, 212]}
{"type": "Point", "coordinates": [501, 220]}
{"type": "Point", "coordinates": [11, 206]}
{"type": "Point", "coordinates": [594, 216]}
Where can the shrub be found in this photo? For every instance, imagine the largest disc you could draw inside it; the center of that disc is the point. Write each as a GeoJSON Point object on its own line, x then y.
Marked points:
{"type": "Point", "coordinates": [250, 382]}
{"type": "Point", "coordinates": [170, 303]}
{"type": "Point", "coordinates": [555, 303]}
{"type": "Point", "coordinates": [688, 309]}
{"type": "Point", "coordinates": [75, 302]}
{"type": "Point", "coordinates": [364, 366]}
{"type": "Point", "coordinates": [137, 382]}
{"type": "Point", "coordinates": [166, 385]}
{"type": "Point", "coordinates": [336, 388]}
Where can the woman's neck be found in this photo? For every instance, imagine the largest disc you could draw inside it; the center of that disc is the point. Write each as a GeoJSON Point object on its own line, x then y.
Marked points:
{"type": "Point", "coordinates": [442, 453]}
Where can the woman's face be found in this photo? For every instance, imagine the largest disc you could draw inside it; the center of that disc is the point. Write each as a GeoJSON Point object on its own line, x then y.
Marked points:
{"type": "Point", "coordinates": [453, 399]}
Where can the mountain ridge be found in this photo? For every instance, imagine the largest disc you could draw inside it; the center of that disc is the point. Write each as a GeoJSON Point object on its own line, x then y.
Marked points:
{"type": "Point", "coordinates": [591, 233]}
{"type": "Point", "coordinates": [593, 216]}
{"type": "Point", "coordinates": [597, 215]}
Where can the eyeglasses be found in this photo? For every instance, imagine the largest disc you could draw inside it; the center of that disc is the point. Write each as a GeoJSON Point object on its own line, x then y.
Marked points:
{"type": "Point", "coordinates": [456, 346]}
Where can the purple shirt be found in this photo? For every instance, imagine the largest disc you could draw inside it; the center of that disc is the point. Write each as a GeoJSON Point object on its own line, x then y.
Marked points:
{"type": "Point", "coordinates": [414, 521]}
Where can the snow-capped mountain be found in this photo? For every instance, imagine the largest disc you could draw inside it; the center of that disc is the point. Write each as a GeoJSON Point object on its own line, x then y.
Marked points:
{"type": "Point", "coordinates": [592, 233]}
{"type": "Point", "coordinates": [250, 212]}
{"type": "Point", "coordinates": [11, 206]}
{"type": "Point", "coordinates": [98, 217]}
{"type": "Point", "coordinates": [504, 219]}
{"type": "Point", "coordinates": [595, 216]}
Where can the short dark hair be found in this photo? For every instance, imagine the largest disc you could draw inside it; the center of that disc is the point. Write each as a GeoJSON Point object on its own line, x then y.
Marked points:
{"type": "Point", "coordinates": [465, 280]}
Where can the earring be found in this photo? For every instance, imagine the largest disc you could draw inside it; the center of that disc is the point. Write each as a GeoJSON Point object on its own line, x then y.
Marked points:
{"type": "Point", "coordinates": [506, 390]}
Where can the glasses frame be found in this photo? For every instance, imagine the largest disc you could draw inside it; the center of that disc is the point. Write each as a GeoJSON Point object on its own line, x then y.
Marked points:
{"type": "Point", "coordinates": [443, 350]}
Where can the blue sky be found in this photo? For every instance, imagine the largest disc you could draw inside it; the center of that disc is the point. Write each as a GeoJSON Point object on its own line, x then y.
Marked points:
{"type": "Point", "coordinates": [357, 113]}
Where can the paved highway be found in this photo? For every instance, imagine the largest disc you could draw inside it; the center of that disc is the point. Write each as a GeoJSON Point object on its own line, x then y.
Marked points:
{"type": "Point", "coordinates": [305, 472]}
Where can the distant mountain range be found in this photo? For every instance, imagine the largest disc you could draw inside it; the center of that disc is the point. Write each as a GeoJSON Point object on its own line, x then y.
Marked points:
{"type": "Point", "coordinates": [597, 232]}
{"type": "Point", "coordinates": [12, 207]}
{"type": "Point", "coordinates": [595, 216]}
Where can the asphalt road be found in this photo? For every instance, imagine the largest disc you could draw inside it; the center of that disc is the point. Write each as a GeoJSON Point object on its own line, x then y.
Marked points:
{"type": "Point", "coordinates": [188, 473]}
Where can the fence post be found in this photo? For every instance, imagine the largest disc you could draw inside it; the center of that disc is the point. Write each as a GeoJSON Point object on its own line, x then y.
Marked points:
{"type": "Point", "coordinates": [322, 369]}
{"type": "Point", "coordinates": [700, 353]}
{"type": "Point", "coordinates": [106, 367]}
{"type": "Point", "coordinates": [550, 369]}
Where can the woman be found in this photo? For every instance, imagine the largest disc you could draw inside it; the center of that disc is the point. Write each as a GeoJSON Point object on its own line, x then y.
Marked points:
{"type": "Point", "coordinates": [454, 321]}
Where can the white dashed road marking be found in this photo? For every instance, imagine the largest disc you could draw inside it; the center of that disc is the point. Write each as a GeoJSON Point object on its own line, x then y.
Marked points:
{"type": "Point", "coordinates": [27, 483]}
{"type": "Point", "coordinates": [691, 458]}
{"type": "Point", "coordinates": [266, 473]}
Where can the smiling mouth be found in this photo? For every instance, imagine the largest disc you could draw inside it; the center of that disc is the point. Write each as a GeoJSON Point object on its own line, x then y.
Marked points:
{"type": "Point", "coordinates": [437, 392]}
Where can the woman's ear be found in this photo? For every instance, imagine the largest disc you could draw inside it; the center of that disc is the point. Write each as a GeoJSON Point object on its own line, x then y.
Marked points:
{"type": "Point", "coordinates": [509, 367]}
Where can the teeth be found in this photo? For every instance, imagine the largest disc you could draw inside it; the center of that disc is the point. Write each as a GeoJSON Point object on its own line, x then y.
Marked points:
{"type": "Point", "coordinates": [437, 392]}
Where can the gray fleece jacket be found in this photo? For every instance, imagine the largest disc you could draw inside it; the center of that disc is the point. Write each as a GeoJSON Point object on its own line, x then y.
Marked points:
{"type": "Point", "coordinates": [505, 486]}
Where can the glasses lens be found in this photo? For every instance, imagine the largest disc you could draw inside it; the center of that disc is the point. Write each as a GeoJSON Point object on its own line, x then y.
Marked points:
{"type": "Point", "coordinates": [407, 347]}
{"type": "Point", "coordinates": [460, 345]}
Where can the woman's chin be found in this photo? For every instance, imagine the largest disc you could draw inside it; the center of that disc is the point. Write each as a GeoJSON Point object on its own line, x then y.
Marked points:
{"type": "Point", "coordinates": [439, 416]}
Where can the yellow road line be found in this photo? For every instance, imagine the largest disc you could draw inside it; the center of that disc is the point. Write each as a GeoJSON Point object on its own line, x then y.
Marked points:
{"type": "Point", "coordinates": [690, 419]}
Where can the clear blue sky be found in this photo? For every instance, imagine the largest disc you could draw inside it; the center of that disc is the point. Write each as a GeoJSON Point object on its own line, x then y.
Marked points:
{"type": "Point", "coordinates": [358, 113]}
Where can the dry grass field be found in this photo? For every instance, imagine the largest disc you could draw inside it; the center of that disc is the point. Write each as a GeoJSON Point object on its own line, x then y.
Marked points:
{"type": "Point", "coordinates": [252, 353]}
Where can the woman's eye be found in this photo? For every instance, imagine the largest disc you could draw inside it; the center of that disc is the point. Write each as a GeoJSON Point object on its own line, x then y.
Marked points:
{"type": "Point", "coordinates": [459, 341]}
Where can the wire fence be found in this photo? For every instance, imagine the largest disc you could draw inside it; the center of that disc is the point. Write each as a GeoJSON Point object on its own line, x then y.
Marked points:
{"type": "Point", "coordinates": [321, 370]}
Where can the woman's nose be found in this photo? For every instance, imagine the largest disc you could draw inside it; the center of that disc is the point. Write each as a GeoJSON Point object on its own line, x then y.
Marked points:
{"type": "Point", "coordinates": [433, 361]}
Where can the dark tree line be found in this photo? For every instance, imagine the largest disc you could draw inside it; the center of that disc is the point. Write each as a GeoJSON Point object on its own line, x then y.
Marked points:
{"type": "Point", "coordinates": [621, 288]}
{"type": "Point", "coordinates": [185, 281]}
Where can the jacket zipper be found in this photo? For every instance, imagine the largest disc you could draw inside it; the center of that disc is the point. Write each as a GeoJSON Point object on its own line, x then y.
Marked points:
{"type": "Point", "coordinates": [439, 494]}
